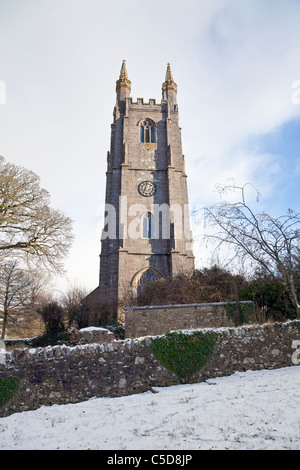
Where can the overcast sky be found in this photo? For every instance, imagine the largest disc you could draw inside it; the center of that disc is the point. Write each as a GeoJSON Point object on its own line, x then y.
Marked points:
{"type": "Point", "coordinates": [237, 67]}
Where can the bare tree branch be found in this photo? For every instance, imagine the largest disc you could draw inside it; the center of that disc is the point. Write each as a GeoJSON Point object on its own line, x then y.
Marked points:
{"type": "Point", "coordinates": [29, 227]}
{"type": "Point", "coordinates": [271, 243]}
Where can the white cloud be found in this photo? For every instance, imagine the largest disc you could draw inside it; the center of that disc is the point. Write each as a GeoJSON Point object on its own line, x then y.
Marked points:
{"type": "Point", "coordinates": [234, 63]}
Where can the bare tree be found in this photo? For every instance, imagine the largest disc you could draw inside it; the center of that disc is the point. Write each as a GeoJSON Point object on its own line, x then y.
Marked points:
{"type": "Point", "coordinates": [272, 243]}
{"type": "Point", "coordinates": [29, 227]}
{"type": "Point", "coordinates": [71, 302]}
{"type": "Point", "coordinates": [16, 288]}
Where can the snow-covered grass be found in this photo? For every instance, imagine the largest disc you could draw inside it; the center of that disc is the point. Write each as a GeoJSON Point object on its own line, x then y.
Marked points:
{"type": "Point", "coordinates": [250, 410]}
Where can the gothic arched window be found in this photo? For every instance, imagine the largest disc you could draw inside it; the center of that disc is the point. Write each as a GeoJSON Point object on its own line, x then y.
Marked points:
{"type": "Point", "coordinates": [147, 225]}
{"type": "Point", "coordinates": [144, 277]}
{"type": "Point", "coordinates": [147, 276]}
{"type": "Point", "coordinates": [147, 132]}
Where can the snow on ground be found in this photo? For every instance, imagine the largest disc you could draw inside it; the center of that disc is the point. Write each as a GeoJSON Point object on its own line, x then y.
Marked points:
{"type": "Point", "coordinates": [249, 410]}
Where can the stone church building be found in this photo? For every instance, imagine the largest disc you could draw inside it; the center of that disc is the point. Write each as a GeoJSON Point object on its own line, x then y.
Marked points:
{"type": "Point", "coordinates": [146, 234]}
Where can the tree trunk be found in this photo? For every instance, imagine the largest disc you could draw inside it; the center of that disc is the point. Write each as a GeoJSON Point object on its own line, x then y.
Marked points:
{"type": "Point", "coordinates": [293, 296]}
{"type": "Point", "coordinates": [4, 324]}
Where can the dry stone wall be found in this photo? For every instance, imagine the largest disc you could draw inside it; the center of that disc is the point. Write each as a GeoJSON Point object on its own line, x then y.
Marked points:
{"type": "Point", "coordinates": [63, 374]}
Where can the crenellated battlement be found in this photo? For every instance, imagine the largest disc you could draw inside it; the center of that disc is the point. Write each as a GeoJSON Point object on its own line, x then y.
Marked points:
{"type": "Point", "coordinates": [150, 103]}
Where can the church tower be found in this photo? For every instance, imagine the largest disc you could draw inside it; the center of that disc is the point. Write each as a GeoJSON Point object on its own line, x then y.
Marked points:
{"type": "Point", "coordinates": [146, 232]}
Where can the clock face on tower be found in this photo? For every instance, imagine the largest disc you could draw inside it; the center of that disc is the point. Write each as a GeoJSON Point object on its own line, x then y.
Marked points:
{"type": "Point", "coordinates": [147, 188]}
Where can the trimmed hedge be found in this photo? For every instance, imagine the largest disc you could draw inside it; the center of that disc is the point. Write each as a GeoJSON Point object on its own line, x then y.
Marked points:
{"type": "Point", "coordinates": [184, 354]}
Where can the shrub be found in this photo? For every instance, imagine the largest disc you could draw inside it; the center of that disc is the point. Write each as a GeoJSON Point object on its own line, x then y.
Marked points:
{"type": "Point", "coordinates": [246, 311]}
{"type": "Point", "coordinates": [184, 354]}
{"type": "Point", "coordinates": [53, 317]}
{"type": "Point", "coordinates": [270, 296]}
{"type": "Point", "coordinates": [206, 285]}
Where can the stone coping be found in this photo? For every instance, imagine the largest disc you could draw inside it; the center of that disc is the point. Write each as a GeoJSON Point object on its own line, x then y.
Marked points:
{"type": "Point", "coordinates": [144, 307]}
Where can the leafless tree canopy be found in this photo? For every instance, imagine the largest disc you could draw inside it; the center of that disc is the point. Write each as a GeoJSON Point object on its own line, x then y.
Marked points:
{"type": "Point", "coordinates": [272, 243]}
{"type": "Point", "coordinates": [29, 227]}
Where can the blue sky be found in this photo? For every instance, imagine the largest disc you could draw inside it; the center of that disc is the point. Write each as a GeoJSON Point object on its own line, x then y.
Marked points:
{"type": "Point", "coordinates": [234, 62]}
{"type": "Point", "coordinates": [283, 144]}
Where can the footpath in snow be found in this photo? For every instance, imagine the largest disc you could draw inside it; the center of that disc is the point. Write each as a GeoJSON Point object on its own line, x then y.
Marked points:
{"type": "Point", "coordinates": [251, 410]}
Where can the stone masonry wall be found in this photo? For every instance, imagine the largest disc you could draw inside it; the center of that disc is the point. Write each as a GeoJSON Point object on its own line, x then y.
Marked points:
{"type": "Point", "coordinates": [156, 320]}
{"type": "Point", "coordinates": [62, 374]}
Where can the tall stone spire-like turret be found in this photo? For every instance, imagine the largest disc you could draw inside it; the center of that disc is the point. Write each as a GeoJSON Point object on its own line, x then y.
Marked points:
{"type": "Point", "coordinates": [169, 87]}
{"type": "Point", "coordinates": [123, 85]}
{"type": "Point", "coordinates": [169, 77]}
{"type": "Point", "coordinates": [123, 73]}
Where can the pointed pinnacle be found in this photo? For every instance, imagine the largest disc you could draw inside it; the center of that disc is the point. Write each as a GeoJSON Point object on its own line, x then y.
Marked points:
{"type": "Point", "coordinates": [123, 73]}
{"type": "Point", "coordinates": [169, 77]}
